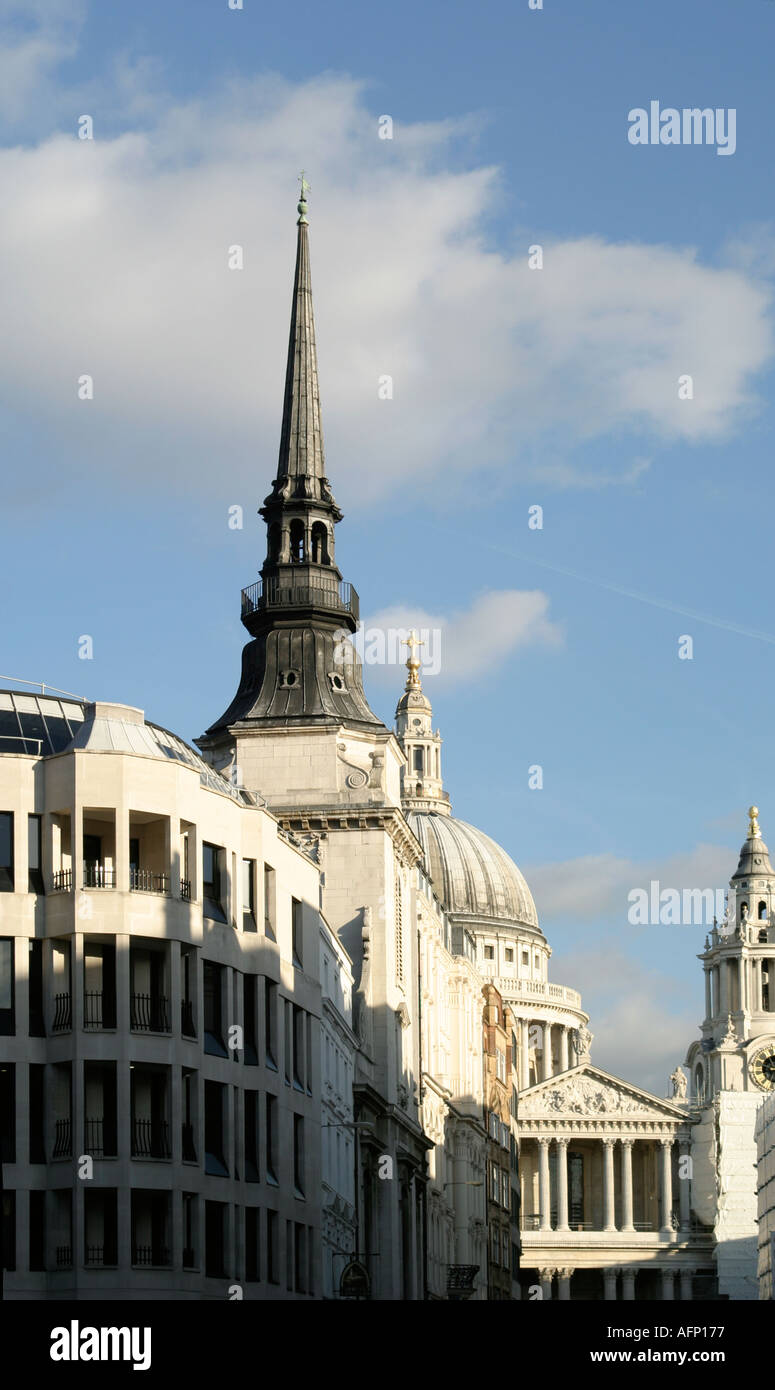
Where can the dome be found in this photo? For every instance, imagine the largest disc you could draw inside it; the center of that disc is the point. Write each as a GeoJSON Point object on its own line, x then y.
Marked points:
{"type": "Point", "coordinates": [472, 875]}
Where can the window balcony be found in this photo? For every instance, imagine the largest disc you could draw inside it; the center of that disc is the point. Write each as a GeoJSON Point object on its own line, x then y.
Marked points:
{"type": "Point", "coordinates": [98, 876]}
{"type": "Point", "coordinates": [63, 1013]}
{"type": "Point", "coordinates": [151, 1256]}
{"type": "Point", "coordinates": [275, 592]}
{"type": "Point", "coordinates": [145, 881]}
{"type": "Point", "coordinates": [62, 881]}
{"type": "Point", "coordinates": [64, 1257]}
{"type": "Point", "coordinates": [185, 890]}
{"type": "Point", "coordinates": [63, 1144]}
{"type": "Point", "coordinates": [150, 1013]}
{"type": "Point", "coordinates": [99, 1010]}
{"type": "Point", "coordinates": [150, 1139]}
{"type": "Point", "coordinates": [100, 1256]}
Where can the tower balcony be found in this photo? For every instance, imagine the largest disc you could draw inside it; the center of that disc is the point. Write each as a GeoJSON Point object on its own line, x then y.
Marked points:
{"type": "Point", "coordinates": [289, 592]}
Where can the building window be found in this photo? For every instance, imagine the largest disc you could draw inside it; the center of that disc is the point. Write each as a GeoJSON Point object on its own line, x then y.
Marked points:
{"type": "Point", "coordinates": [37, 1230]}
{"type": "Point", "coordinates": [500, 1064]}
{"type": "Point", "coordinates": [270, 903]}
{"type": "Point", "coordinates": [9, 1230]}
{"type": "Point", "coordinates": [489, 953]}
{"type": "Point", "coordinates": [34, 854]}
{"type": "Point", "coordinates": [270, 1162]}
{"type": "Point", "coordinates": [270, 1024]}
{"type": "Point", "coordinates": [100, 1222]}
{"type": "Point", "coordinates": [298, 1048]}
{"type": "Point", "coordinates": [509, 955]}
{"type": "Point", "coordinates": [189, 1097]}
{"type": "Point", "coordinates": [505, 1191]}
{"type": "Point", "coordinates": [272, 1247]}
{"type": "Point", "coordinates": [298, 1155]}
{"type": "Point", "coordinates": [7, 988]}
{"type": "Point", "coordinates": [187, 990]}
{"type": "Point", "coordinates": [6, 851]}
{"type": "Point", "coordinates": [525, 958]}
{"type": "Point", "coordinates": [251, 1137]}
{"type": "Point", "coordinates": [300, 1257]}
{"type": "Point", "coordinates": [418, 760]}
{"type": "Point", "coordinates": [297, 933]}
{"type": "Point", "coordinates": [252, 1245]}
{"type": "Point", "coordinates": [250, 1029]}
{"type": "Point", "coordinates": [37, 1023]}
{"type": "Point", "coordinates": [213, 1008]}
{"type": "Point", "coordinates": [189, 1230]}
{"type": "Point", "coordinates": [249, 895]}
{"type": "Point", "coordinates": [36, 1112]}
{"type": "Point", "coordinates": [215, 1144]}
{"type": "Point", "coordinates": [8, 1113]}
{"type": "Point", "coordinates": [215, 1240]}
{"type": "Point", "coordinates": [150, 1229]}
{"type": "Point", "coordinates": [213, 874]}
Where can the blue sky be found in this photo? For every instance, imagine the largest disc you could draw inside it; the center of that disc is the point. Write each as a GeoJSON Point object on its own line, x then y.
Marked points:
{"type": "Point", "coordinates": [512, 387]}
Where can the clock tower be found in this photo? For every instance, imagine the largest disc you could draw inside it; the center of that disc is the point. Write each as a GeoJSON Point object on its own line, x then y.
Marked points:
{"type": "Point", "coordinates": [732, 1066]}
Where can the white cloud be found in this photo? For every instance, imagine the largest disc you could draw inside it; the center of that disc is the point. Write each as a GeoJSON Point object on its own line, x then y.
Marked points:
{"type": "Point", "coordinates": [113, 262]}
{"type": "Point", "coordinates": [459, 646]}
{"type": "Point", "coordinates": [595, 886]}
{"type": "Point", "coordinates": [641, 1019]}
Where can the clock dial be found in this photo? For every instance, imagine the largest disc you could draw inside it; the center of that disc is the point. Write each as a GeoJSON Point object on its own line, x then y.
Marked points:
{"type": "Point", "coordinates": [762, 1068]}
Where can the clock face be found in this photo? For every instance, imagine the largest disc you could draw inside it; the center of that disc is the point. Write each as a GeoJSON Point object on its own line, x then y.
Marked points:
{"type": "Point", "coordinates": [762, 1068]}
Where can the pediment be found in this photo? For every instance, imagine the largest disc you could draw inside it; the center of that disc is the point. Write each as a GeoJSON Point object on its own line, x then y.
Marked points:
{"type": "Point", "coordinates": [588, 1091]}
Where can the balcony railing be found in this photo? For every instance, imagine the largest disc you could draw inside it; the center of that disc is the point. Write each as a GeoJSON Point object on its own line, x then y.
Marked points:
{"type": "Point", "coordinates": [64, 1257]}
{"type": "Point", "coordinates": [287, 592]}
{"type": "Point", "coordinates": [99, 1256]}
{"type": "Point", "coordinates": [95, 1139]}
{"type": "Point", "coordinates": [99, 1009]}
{"type": "Point", "coordinates": [147, 1255]}
{"type": "Point", "coordinates": [150, 1013]}
{"type": "Point", "coordinates": [150, 1139]}
{"type": "Point", "coordinates": [187, 1018]}
{"type": "Point", "coordinates": [62, 881]}
{"type": "Point", "coordinates": [144, 881]}
{"type": "Point", "coordinates": [98, 876]}
{"type": "Point", "coordinates": [185, 889]}
{"type": "Point", "coordinates": [63, 1013]}
{"type": "Point", "coordinates": [63, 1144]}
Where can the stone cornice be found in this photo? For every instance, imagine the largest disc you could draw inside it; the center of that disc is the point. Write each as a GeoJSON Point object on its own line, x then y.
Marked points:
{"type": "Point", "coordinates": [320, 820]}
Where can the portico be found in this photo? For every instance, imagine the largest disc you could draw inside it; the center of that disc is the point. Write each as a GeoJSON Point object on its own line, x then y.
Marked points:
{"type": "Point", "coordinates": [606, 1189]}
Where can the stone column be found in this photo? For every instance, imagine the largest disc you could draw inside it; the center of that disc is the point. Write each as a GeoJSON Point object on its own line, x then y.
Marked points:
{"type": "Point", "coordinates": [723, 988]}
{"type": "Point", "coordinates": [563, 1048]}
{"type": "Point", "coordinates": [546, 1276]}
{"type": "Point", "coordinates": [609, 1280]}
{"type": "Point", "coordinates": [627, 1205]}
{"type": "Point", "coordinates": [564, 1278]}
{"type": "Point", "coordinates": [742, 991]}
{"type": "Point", "coordinates": [666, 1185]}
{"type": "Point", "coordinates": [546, 1067]}
{"type": "Point", "coordinates": [562, 1185]}
{"type": "Point", "coordinates": [544, 1187]}
{"type": "Point", "coordinates": [684, 1185]}
{"type": "Point", "coordinates": [686, 1285]}
{"type": "Point", "coordinates": [609, 1223]}
{"type": "Point", "coordinates": [628, 1285]}
{"type": "Point", "coordinates": [524, 1054]}
{"type": "Point", "coordinates": [708, 1013]}
{"type": "Point", "coordinates": [668, 1291]}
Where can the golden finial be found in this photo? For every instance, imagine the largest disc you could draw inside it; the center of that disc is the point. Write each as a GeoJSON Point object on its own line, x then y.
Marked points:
{"type": "Point", "coordinates": [413, 665]}
{"type": "Point", "coordinates": [754, 833]}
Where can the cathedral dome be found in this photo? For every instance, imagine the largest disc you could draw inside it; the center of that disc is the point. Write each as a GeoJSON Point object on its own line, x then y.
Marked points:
{"type": "Point", "coordinates": [472, 875]}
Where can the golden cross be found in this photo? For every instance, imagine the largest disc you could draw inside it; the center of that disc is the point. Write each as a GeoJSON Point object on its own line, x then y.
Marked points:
{"type": "Point", "coordinates": [411, 642]}
{"type": "Point", "coordinates": [304, 186]}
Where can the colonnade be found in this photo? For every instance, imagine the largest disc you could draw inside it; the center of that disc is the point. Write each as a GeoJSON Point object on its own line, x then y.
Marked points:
{"type": "Point", "coordinates": [608, 1142]}
{"type": "Point", "coordinates": [736, 983]}
{"type": "Point", "coordinates": [566, 1055]}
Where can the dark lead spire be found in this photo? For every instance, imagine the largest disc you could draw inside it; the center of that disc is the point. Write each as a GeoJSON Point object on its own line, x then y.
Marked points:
{"type": "Point", "coordinates": [301, 440]}
{"type": "Point", "coordinates": [300, 668]}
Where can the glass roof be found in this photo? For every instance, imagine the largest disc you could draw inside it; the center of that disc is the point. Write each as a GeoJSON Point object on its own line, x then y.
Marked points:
{"type": "Point", "coordinates": [40, 725]}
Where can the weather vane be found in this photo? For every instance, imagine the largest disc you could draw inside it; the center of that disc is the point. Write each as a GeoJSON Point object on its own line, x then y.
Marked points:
{"type": "Point", "coordinates": [302, 208]}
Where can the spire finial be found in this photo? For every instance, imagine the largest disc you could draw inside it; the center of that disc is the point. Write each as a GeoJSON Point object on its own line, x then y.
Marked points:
{"type": "Point", "coordinates": [302, 207]}
{"type": "Point", "coordinates": [754, 833]}
{"type": "Point", "coordinates": [413, 665]}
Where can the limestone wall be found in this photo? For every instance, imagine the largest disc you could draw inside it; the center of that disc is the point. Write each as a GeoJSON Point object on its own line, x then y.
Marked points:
{"type": "Point", "coordinates": [736, 1221]}
{"type": "Point", "coordinates": [765, 1144]}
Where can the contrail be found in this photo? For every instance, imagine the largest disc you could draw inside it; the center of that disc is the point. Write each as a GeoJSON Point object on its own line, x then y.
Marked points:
{"type": "Point", "coordinates": [633, 593]}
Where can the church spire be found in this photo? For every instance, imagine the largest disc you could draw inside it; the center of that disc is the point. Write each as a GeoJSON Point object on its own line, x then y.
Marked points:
{"type": "Point", "coordinates": [300, 668]}
{"type": "Point", "coordinates": [301, 463]}
{"type": "Point", "coordinates": [422, 788]}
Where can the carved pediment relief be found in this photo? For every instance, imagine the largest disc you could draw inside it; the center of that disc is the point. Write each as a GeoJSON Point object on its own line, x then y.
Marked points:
{"type": "Point", "coordinates": [590, 1093]}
